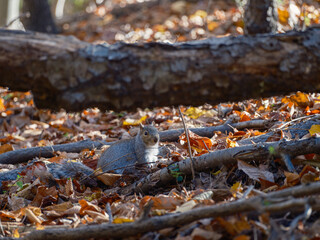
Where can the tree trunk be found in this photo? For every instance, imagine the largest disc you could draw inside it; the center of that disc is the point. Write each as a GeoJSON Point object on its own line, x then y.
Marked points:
{"type": "Point", "coordinates": [40, 19]}
{"type": "Point", "coordinates": [260, 16]}
{"type": "Point", "coordinates": [65, 72]}
{"type": "Point", "coordinates": [3, 12]}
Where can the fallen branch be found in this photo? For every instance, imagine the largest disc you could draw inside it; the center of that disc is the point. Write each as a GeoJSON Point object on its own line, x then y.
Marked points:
{"type": "Point", "coordinates": [176, 219]}
{"type": "Point", "coordinates": [299, 129]}
{"type": "Point", "coordinates": [26, 154]}
{"type": "Point", "coordinates": [208, 161]}
{"type": "Point", "coordinates": [173, 135]}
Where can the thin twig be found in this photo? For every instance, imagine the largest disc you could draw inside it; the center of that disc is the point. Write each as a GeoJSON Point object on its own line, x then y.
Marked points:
{"type": "Point", "coordinates": [300, 118]}
{"type": "Point", "coordinates": [146, 210]}
{"type": "Point", "coordinates": [189, 146]}
{"type": "Point", "coordinates": [108, 209]}
{"type": "Point", "coordinates": [24, 15]}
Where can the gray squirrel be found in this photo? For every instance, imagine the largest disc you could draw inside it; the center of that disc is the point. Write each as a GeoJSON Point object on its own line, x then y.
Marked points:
{"type": "Point", "coordinates": [121, 155]}
{"type": "Point", "coordinates": [124, 154]}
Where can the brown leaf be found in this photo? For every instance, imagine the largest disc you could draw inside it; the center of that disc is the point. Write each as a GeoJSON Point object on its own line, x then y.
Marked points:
{"type": "Point", "coordinates": [254, 172]}
{"type": "Point", "coordinates": [161, 202]}
{"type": "Point", "coordinates": [292, 179]}
{"type": "Point", "coordinates": [108, 179]}
{"type": "Point", "coordinates": [201, 234]}
{"type": "Point", "coordinates": [45, 196]}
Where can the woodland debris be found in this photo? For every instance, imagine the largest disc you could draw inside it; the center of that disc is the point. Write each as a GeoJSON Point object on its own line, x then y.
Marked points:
{"type": "Point", "coordinates": [26, 154]}
{"type": "Point", "coordinates": [156, 223]}
{"type": "Point", "coordinates": [208, 161]}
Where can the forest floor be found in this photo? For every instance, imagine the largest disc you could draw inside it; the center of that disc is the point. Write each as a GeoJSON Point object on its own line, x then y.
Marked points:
{"type": "Point", "coordinates": [34, 203]}
{"type": "Point", "coordinates": [250, 194]}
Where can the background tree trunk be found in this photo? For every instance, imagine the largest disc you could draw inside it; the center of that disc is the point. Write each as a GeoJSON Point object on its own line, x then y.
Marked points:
{"type": "Point", "coordinates": [65, 72]}
{"type": "Point", "coordinates": [40, 19]}
{"type": "Point", "coordinates": [3, 12]}
{"type": "Point", "coordinates": [9, 11]}
{"type": "Point", "coordinates": [260, 16]}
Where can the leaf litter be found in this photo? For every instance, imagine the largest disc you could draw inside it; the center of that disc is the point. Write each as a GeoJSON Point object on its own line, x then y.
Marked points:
{"type": "Point", "coordinates": [36, 200]}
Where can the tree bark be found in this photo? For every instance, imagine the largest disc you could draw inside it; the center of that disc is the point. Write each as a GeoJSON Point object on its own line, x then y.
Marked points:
{"type": "Point", "coordinates": [3, 12]}
{"type": "Point", "coordinates": [65, 72]}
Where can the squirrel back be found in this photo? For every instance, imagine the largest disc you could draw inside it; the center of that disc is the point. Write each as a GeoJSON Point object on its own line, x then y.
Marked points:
{"type": "Point", "coordinates": [124, 154]}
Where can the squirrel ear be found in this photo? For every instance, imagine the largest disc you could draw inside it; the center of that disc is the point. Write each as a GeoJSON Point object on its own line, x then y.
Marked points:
{"type": "Point", "coordinates": [141, 126]}
{"type": "Point", "coordinates": [153, 123]}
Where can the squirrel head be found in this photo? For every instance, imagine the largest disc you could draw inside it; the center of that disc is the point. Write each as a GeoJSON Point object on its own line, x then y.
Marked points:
{"type": "Point", "coordinates": [149, 134]}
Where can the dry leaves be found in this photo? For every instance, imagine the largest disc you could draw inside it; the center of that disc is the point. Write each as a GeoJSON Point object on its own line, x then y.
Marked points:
{"type": "Point", "coordinates": [43, 201]}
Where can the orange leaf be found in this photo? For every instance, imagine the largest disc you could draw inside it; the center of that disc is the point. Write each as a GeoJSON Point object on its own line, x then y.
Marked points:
{"type": "Point", "coordinates": [299, 99]}
{"type": "Point", "coordinates": [198, 143]}
{"type": "Point", "coordinates": [57, 159]}
{"type": "Point", "coordinates": [6, 147]}
{"type": "Point", "coordinates": [244, 117]}
{"type": "Point", "coordinates": [162, 202]}
{"type": "Point", "coordinates": [87, 206]}
{"type": "Point", "coordinates": [230, 143]}
{"type": "Point", "coordinates": [242, 237]}
{"type": "Point", "coordinates": [2, 106]}
{"type": "Point", "coordinates": [283, 15]}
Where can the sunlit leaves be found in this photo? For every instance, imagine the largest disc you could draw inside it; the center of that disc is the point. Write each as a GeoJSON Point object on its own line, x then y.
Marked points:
{"type": "Point", "coordinates": [195, 113]}
{"type": "Point", "coordinates": [315, 129]}
{"type": "Point", "coordinates": [198, 143]}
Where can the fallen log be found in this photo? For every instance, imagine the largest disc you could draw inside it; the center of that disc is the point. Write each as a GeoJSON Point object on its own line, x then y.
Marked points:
{"type": "Point", "coordinates": [65, 72]}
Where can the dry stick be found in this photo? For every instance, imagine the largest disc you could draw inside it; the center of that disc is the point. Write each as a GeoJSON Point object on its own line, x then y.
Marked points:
{"type": "Point", "coordinates": [205, 162]}
{"type": "Point", "coordinates": [108, 209]}
{"type": "Point", "coordinates": [24, 15]}
{"type": "Point", "coordinates": [261, 204]}
{"type": "Point", "coordinates": [188, 141]}
{"type": "Point", "coordinates": [310, 117]}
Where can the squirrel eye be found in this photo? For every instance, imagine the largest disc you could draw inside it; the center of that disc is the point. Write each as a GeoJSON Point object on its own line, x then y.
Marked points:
{"type": "Point", "coordinates": [145, 133]}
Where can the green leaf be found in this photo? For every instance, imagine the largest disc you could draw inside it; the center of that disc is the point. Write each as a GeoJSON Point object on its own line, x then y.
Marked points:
{"type": "Point", "coordinates": [272, 150]}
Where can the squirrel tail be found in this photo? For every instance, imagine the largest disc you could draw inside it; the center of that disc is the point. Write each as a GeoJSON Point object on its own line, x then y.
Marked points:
{"type": "Point", "coordinates": [69, 169]}
{"type": "Point", "coordinates": [58, 171]}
